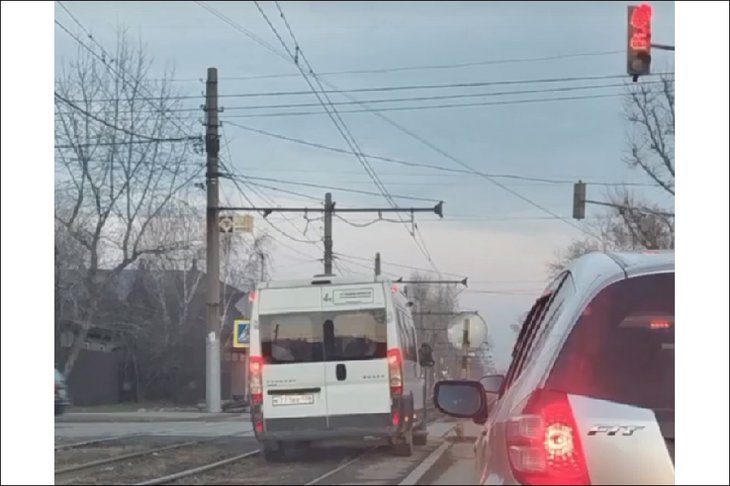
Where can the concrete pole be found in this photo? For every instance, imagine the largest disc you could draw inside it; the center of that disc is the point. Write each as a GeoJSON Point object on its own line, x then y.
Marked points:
{"type": "Point", "coordinates": [212, 341]}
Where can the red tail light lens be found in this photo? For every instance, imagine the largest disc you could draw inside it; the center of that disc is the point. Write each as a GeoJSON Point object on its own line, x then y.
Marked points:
{"type": "Point", "coordinates": [660, 324]}
{"type": "Point", "coordinates": [255, 371]}
{"type": "Point", "coordinates": [259, 426]}
{"type": "Point", "coordinates": [395, 370]}
{"type": "Point", "coordinates": [544, 444]}
{"type": "Point", "coordinates": [396, 418]}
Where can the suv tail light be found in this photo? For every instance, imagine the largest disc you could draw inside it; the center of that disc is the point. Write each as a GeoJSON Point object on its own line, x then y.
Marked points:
{"type": "Point", "coordinates": [544, 444]}
{"type": "Point", "coordinates": [395, 371]}
{"type": "Point", "coordinates": [255, 371]}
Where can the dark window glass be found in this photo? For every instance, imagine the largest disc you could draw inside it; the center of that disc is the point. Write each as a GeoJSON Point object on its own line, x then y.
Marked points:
{"type": "Point", "coordinates": [291, 338]}
{"type": "Point", "coordinates": [622, 347]}
{"type": "Point", "coordinates": [333, 336]}
{"type": "Point", "coordinates": [356, 335]}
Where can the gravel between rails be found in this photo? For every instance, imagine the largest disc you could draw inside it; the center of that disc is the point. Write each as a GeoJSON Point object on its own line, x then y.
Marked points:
{"type": "Point", "coordinates": [255, 470]}
{"type": "Point", "coordinates": [158, 464]}
{"type": "Point", "coordinates": [80, 455]}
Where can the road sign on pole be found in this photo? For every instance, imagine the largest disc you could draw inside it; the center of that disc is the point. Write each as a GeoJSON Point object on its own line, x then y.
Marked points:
{"type": "Point", "coordinates": [241, 333]}
{"type": "Point", "coordinates": [243, 223]}
{"type": "Point", "coordinates": [475, 327]}
{"type": "Point", "coordinates": [225, 224]}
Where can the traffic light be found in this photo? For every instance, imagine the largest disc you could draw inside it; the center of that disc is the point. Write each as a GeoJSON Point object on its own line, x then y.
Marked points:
{"type": "Point", "coordinates": [639, 40]}
{"type": "Point", "coordinates": [579, 200]}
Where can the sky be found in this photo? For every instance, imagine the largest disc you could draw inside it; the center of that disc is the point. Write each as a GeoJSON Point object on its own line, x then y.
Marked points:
{"type": "Point", "coordinates": [501, 242]}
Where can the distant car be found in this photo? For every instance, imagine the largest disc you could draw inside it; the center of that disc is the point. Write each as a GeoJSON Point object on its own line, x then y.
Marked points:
{"type": "Point", "coordinates": [62, 400]}
{"type": "Point", "coordinates": [589, 395]}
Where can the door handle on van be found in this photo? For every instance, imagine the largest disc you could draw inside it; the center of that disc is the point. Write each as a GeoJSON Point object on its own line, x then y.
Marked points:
{"type": "Point", "coordinates": [341, 372]}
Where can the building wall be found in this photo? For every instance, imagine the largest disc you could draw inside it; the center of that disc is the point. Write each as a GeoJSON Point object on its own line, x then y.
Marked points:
{"type": "Point", "coordinates": [94, 380]}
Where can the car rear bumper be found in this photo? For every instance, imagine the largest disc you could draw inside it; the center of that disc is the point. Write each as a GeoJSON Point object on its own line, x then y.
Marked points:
{"type": "Point", "coordinates": [316, 435]}
{"type": "Point", "coordinates": [323, 428]}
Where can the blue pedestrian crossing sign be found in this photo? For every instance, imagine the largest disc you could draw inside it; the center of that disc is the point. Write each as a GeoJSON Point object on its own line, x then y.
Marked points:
{"type": "Point", "coordinates": [241, 333]}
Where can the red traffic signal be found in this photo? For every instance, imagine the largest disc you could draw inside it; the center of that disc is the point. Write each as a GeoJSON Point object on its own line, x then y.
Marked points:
{"type": "Point", "coordinates": [639, 40]}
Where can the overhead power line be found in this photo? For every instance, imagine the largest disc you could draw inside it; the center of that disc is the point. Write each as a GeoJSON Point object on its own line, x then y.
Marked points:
{"type": "Point", "coordinates": [243, 30]}
{"type": "Point", "coordinates": [399, 265]}
{"type": "Point", "coordinates": [431, 66]}
{"type": "Point", "coordinates": [432, 107]}
{"type": "Point", "coordinates": [467, 166]}
{"type": "Point", "coordinates": [283, 191]}
{"type": "Point", "coordinates": [418, 164]}
{"type": "Point", "coordinates": [245, 196]}
{"type": "Point", "coordinates": [416, 98]}
{"type": "Point", "coordinates": [276, 228]}
{"type": "Point", "coordinates": [106, 60]}
{"type": "Point", "coordinates": [376, 89]}
{"type": "Point", "coordinates": [117, 128]}
{"type": "Point", "coordinates": [323, 186]}
{"type": "Point", "coordinates": [432, 98]}
{"type": "Point", "coordinates": [337, 119]}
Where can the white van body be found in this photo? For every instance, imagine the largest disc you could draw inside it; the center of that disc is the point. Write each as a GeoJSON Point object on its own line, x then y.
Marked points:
{"type": "Point", "coordinates": [325, 349]}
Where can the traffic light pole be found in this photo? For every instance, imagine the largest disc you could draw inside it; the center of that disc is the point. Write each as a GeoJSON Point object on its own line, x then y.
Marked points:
{"type": "Point", "coordinates": [625, 208]}
{"type": "Point", "coordinates": [580, 201]}
{"type": "Point", "coordinates": [662, 47]}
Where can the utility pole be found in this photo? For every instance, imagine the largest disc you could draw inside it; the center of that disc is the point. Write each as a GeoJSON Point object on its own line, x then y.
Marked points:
{"type": "Point", "coordinates": [464, 366]}
{"type": "Point", "coordinates": [426, 371]}
{"type": "Point", "coordinates": [328, 209]}
{"type": "Point", "coordinates": [465, 351]}
{"type": "Point", "coordinates": [212, 147]}
{"type": "Point", "coordinates": [377, 264]}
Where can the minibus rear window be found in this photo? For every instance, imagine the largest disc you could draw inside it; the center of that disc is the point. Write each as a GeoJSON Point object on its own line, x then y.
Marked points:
{"type": "Point", "coordinates": [305, 337]}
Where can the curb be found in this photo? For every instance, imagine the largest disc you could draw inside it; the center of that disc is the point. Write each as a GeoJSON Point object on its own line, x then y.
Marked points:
{"type": "Point", "coordinates": [425, 467]}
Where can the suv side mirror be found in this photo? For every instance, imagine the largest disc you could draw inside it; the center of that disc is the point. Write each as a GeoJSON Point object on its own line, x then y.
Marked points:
{"type": "Point", "coordinates": [462, 399]}
{"type": "Point", "coordinates": [425, 356]}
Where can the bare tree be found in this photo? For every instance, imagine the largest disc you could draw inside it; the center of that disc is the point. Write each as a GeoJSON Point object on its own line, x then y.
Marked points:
{"type": "Point", "coordinates": [436, 299]}
{"type": "Point", "coordinates": [649, 108]}
{"type": "Point", "coordinates": [632, 223]}
{"type": "Point", "coordinates": [120, 160]}
{"type": "Point", "coordinates": [243, 257]}
{"type": "Point", "coordinates": [628, 227]}
{"type": "Point", "coordinates": [576, 249]}
{"type": "Point", "coordinates": [170, 283]}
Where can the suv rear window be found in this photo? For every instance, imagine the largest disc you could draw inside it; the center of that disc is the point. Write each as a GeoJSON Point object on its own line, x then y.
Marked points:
{"type": "Point", "coordinates": [622, 347]}
{"type": "Point", "coordinates": [307, 337]}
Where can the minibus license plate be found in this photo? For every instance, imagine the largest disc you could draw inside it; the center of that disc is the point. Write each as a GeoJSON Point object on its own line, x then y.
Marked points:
{"type": "Point", "coordinates": [292, 399]}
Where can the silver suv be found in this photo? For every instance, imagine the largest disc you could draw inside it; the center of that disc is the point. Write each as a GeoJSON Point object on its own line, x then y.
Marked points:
{"type": "Point", "coordinates": [589, 395]}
